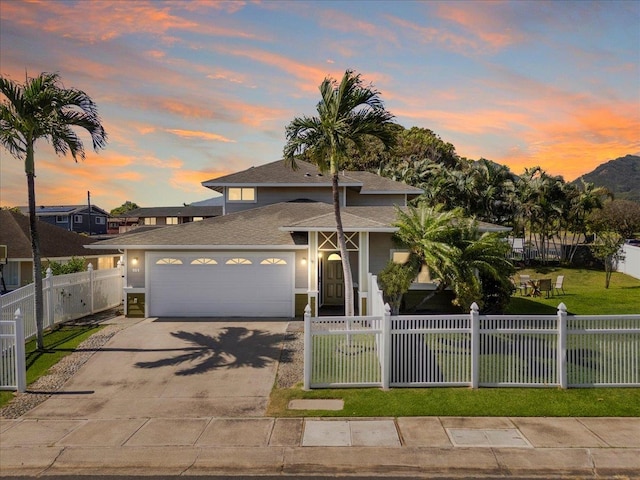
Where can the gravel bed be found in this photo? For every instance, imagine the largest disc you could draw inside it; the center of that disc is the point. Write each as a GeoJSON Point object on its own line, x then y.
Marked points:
{"type": "Point", "coordinates": [290, 368]}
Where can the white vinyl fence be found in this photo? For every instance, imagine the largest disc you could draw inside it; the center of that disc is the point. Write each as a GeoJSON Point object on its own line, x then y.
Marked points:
{"type": "Point", "coordinates": [630, 264]}
{"type": "Point", "coordinates": [65, 297]}
{"type": "Point", "coordinates": [472, 350]}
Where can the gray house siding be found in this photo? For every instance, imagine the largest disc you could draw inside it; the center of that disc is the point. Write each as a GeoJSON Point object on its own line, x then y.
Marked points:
{"type": "Point", "coordinates": [380, 244]}
{"type": "Point", "coordinates": [356, 199]}
{"type": "Point", "coordinates": [270, 195]}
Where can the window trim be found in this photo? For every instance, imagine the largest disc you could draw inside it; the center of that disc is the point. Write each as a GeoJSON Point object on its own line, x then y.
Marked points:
{"type": "Point", "coordinates": [101, 220]}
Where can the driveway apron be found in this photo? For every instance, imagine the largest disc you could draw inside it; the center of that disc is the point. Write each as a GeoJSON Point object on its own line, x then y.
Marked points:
{"type": "Point", "coordinates": [175, 367]}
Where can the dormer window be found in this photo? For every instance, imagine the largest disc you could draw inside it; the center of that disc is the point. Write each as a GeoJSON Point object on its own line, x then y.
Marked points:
{"type": "Point", "coordinates": [244, 194]}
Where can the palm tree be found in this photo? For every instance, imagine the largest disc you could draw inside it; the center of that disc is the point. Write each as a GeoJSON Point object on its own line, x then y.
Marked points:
{"type": "Point", "coordinates": [43, 108]}
{"type": "Point", "coordinates": [349, 115]}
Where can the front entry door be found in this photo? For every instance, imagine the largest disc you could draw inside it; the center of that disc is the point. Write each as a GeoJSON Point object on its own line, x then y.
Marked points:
{"type": "Point", "coordinates": [333, 283]}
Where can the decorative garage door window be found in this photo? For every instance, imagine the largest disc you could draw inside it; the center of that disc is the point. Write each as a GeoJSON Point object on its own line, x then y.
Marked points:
{"type": "Point", "coordinates": [238, 261]}
{"type": "Point", "coordinates": [204, 261]}
{"type": "Point", "coordinates": [273, 261]}
{"type": "Point", "coordinates": [169, 261]}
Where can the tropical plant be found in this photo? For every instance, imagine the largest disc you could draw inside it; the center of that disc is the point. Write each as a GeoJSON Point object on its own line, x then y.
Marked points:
{"type": "Point", "coordinates": [42, 107]}
{"type": "Point", "coordinates": [456, 253]}
{"type": "Point", "coordinates": [74, 265]}
{"type": "Point", "coordinates": [124, 208]}
{"type": "Point", "coordinates": [349, 115]}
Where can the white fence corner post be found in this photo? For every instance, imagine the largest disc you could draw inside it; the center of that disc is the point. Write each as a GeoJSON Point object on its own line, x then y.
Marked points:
{"type": "Point", "coordinates": [386, 352]}
{"type": "Point", "coordinates": [475, 345]}
{"type": "Point", "coordinates": [50, 306]}
{"type": "Point", "coordinates": [562, 345]}
{"type": "Point", "coordinates": [21, 360]}
{"type": "Point", "coordinates": [308, 349]}
{"type": "Point", "coordinates": [91, 285]}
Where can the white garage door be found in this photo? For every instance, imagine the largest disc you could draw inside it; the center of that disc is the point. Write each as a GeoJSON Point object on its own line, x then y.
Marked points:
{"type": "Point", "coordinates": [235, 284]}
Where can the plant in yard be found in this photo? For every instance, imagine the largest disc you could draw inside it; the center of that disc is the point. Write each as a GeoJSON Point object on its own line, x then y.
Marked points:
{"type": "Point", "coordinates": [606, 247]}
{"type": "Point", "coordinates": [395, 280]}
{"type": "Point", "coordinates": [43, 108]}
{"type": "Point", "coordinates": [74, 265]}
{"type": "Point", "coordinates": [350, 114]}
{"type": "Point", "coordinates": [455, 252]}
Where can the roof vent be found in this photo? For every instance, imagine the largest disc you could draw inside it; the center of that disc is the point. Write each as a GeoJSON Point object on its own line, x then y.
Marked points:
{"type": "Point", "coordinates": [307, 174]}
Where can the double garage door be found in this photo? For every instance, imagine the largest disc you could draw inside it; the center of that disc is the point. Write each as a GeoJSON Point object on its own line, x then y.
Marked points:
{"type": "Point", "coordinates": [210, 284]}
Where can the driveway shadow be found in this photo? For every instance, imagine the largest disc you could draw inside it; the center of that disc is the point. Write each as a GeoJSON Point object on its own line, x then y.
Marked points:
{"type": "Point", "coordinates": [234, 347]}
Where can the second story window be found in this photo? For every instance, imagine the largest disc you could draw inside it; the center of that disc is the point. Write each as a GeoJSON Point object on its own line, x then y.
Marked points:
{"type": "Point", "coordinates": [77, 219]}
{"type": "Point", "coordinates": [236, 194]}
{"type": "Point", "coordinates": [100, 220]}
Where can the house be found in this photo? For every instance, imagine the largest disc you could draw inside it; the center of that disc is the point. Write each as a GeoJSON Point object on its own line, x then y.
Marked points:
{"type": "Point", "coordinates": [56, 244]}
{"type": "Point", "coordinates": [161, 216]}
{"type": "Point", "coordinates": [273, 251]}
{"type": "Point", "coordinates": [74, 218]}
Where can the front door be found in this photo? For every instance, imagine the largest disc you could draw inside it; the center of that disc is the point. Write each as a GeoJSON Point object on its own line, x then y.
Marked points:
{"type": "Point", "coordinates": [333, 283]}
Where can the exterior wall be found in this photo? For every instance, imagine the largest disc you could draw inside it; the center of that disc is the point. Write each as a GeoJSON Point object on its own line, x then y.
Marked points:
{"type": "Point", "coordinates": [135, 273]}
{"type": "Point", "coordinates": [354, 199]}
{"type": "Point", "coordinates": [270, 195]}
{"type": "Point", "coordinates": [302, 263]}
{"type": "Point", "coordinates": [26, 273]}
{"type": "Point", "coordinates": [379, 246]}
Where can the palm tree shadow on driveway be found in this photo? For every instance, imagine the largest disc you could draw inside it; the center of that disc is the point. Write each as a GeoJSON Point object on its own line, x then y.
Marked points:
{"type": "Point", "coordinates": [234, 347]}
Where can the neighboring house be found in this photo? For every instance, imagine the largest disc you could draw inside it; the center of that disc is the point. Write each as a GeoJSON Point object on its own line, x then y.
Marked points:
{"type": "Point", "coordinates": [273, 251]}
{"type": "Point", "coordinates": [56, 244]}
{"type": "Point", "coordinates": [161, 216]}
{"type": "Point", "coordinates": [117, 225]}
{"type": "Point", "coordinates": [74, 218]}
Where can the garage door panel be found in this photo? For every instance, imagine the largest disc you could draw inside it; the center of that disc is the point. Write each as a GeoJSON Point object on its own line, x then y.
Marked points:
{"type": "Point", "coordinates": [221, 289]}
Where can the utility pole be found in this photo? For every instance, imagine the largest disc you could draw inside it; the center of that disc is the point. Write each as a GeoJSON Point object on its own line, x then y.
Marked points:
{"type": "Point", "coordinates": [89, 203]}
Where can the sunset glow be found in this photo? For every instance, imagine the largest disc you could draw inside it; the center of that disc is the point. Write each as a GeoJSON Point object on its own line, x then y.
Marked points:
{"type": "Point", "coordinates": [192, 90]}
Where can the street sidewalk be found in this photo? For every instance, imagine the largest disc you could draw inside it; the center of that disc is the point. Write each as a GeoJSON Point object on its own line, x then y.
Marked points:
{"type": "Point", "coordinates": [424, 447]}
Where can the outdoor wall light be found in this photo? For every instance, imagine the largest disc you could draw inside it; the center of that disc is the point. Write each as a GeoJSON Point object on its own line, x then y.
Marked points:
{"type": "Point", "coordinates": [134, 261]}
{"type": "Point", "coordinates": [304, 260]}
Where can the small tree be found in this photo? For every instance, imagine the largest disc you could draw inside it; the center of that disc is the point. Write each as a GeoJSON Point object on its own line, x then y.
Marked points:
{"type": "Point", "coordinates": [607, 247]}
{"type": "Point", "coordinates": [395, 281]}
{"type": "Point", "coordinates": [74, 265]}
{"type": "Point", "coordinates": [124, 208]}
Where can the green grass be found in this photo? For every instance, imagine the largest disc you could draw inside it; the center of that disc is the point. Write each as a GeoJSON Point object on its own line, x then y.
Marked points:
{"type": "Point", "coordinates": [491, 402]}
{"type": "Point", "coordinates": [585, 295]}
{"type": "Point", "coordinates": [58, 344]}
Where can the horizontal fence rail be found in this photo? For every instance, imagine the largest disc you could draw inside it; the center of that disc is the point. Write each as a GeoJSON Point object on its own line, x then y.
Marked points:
{"type": "Point", "coordinates": [471, 349]}
{"type": "Point", "coordinates": [65, 297]}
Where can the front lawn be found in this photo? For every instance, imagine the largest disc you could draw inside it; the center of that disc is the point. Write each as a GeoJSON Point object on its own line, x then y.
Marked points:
{"type": "Point", "coordinates": [585, 295]}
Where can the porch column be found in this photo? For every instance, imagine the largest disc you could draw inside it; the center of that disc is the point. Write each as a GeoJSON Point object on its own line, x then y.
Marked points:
{"type": "Point", "coordinates": [312, 273]}
{"type": "Point", "coordinates": [363, 272]}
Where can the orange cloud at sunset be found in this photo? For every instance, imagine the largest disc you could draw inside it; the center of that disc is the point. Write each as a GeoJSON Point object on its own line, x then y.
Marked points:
{"type": "Point", "coordinates": [202, 135]}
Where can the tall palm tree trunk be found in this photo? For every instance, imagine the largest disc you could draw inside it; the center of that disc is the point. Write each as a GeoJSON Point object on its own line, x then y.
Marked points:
{"type": "Point", "coordinates": [35, 246]}
{"type": "Point", "coordinates": [342, 244]}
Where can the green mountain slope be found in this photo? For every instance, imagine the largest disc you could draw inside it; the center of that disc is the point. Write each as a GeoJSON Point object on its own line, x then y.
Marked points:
{"type": "Point", "coordinates": [621, 176]}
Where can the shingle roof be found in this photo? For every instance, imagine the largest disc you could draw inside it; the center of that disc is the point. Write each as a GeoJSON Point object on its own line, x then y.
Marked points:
{"type": "Point", "coordinates": [184, 211]}
{"type": "Point", "coordinates": [279, 174]}
{"type": "Point", "coordinates": [257, 226]}
{"type": "Point", "coordinates": [51, 210]}
{"type": "Point", "coordinates": [55, 242]}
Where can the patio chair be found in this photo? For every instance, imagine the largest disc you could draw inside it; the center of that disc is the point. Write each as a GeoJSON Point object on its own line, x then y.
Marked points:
{"type": "Point", "coordinates": [524, 284]}
{"type": "Point", "coordinates": [559, 284]}
{"type": "Point", "coordinates": [545, 286]}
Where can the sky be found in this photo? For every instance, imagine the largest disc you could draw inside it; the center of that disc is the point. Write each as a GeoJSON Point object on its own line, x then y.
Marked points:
{"type": "Point", "coordinates": [192, 90]}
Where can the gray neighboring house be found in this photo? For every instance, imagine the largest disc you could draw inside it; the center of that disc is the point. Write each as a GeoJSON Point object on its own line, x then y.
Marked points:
{"type": "Point", "coordinates": [161, 216]}
{"type": "Point", "coordinates": [272, 252]}
{"type": "Point", "coordinates": [74, 218]}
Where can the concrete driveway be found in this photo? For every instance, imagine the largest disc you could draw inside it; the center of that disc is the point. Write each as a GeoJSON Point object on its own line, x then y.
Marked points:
{"type": "Point", "coordinates": [175, 367]}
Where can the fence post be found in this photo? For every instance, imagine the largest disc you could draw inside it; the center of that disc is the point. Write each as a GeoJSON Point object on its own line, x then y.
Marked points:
{"type": "Point", "coordinates": [562, 345]}
{"type": "Point", "coordinates": [386, 349]}
{"type": "Point", "coordinates": [21, 360]}
{"type": "Point", "coordinates": [48, 288]}
{"type": "Point", "coordinates": [308, 353]}
{"type": "Point", "coordinates": [475, 345]}
{"type": "Point", "coordinates": [91, 286]}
